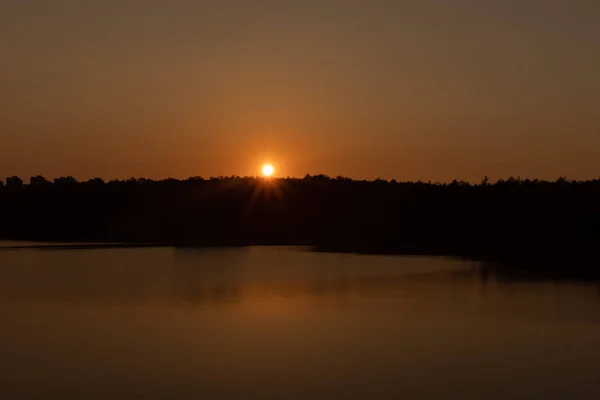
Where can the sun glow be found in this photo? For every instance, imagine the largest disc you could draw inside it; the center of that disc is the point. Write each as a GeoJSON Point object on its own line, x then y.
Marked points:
{"type": "Point", "coordinates": [268, 170]}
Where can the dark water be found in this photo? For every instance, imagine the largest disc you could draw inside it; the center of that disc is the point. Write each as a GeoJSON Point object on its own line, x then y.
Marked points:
{"type": "Point", "coordinates": [287, 324]}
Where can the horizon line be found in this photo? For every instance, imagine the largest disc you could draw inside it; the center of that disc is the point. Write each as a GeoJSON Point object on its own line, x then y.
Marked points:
{"type": "Point", "coordinates": [484, 180]}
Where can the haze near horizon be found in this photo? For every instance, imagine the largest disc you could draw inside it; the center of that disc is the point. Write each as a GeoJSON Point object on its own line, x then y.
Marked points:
{"type": "Point", "coordinates": [411, 90]}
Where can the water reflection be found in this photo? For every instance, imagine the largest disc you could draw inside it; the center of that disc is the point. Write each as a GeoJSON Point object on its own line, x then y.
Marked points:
{"type": "Point", "coordinates": [217, 276]}
{"type": "Point", "coordinates": [211, 276]}
{"type": "Point", "coordinates": [288, 323]}
{"type": "Point", "coordinates": [515, 273]}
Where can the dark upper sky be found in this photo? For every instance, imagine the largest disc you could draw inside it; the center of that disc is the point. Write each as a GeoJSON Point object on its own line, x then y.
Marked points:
{"type": "Point", "coordinates": [405, 89]}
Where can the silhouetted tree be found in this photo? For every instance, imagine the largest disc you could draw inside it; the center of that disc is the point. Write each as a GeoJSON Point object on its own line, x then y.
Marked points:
{"type": "Point", "coordinates": [96, 181]}
{"type": "Point", "coordinates": [507, 219]}
{"type": "Point", "coordinates": [14, 182]}
{"type": "Point", "coordinates": [38, 181]}
{"type": "Point", "coordinates": [65, 180]}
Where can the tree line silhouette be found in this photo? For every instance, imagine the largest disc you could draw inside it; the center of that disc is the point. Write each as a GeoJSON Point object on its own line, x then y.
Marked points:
{"type": "Point", "coordinates": [507, 219]}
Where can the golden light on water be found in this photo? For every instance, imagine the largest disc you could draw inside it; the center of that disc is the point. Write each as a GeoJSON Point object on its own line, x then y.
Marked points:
{"type": "Point", "coordinates": [268, 170]}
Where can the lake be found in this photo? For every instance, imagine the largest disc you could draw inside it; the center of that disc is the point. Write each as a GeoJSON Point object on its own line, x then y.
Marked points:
{"type": "Point", "coordinates": [287, 323]}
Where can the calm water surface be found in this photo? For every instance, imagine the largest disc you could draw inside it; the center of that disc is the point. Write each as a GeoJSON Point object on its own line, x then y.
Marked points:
{"type": "Point", "coordinates": [284, 323]}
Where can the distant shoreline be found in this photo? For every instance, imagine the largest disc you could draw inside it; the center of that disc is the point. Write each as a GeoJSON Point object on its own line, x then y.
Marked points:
{"type": "Point", "coordinates": [76, 246]}
{"type": "Point", "coordinates": [580, 267]}
{"type": "Point", "coordinates": [540, 224]}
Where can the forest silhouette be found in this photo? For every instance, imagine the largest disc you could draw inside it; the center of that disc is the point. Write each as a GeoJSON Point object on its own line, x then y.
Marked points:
{"type": "Point", "coordinates": [507, 220]}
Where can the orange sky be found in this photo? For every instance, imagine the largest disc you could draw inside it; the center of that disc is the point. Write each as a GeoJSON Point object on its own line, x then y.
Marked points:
{"type": "Point", "coordinates": [416, 89]}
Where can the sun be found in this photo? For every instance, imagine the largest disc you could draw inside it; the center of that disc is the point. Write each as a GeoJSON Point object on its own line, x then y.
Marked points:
{"type": "Point", "coordinates": [268, 170]}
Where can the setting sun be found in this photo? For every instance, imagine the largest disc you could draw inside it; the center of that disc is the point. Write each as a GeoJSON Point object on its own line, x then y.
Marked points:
{"type": "Point", "coordinates": [268, 170]}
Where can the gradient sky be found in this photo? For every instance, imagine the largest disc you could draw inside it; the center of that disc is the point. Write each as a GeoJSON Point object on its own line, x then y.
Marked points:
{"type": "Point", "coordinates": [405, 89]}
